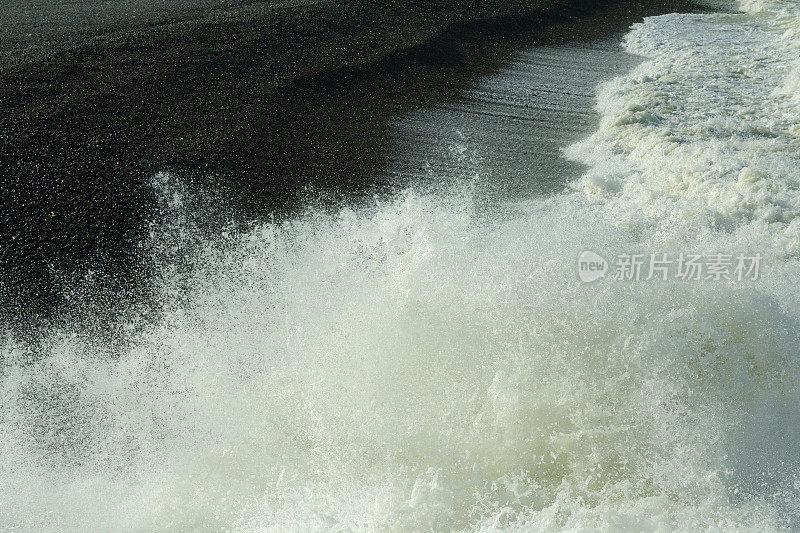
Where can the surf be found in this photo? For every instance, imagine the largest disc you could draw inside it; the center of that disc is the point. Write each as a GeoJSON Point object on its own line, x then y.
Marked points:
{"type": "Point", "coordinates": [414, 364]}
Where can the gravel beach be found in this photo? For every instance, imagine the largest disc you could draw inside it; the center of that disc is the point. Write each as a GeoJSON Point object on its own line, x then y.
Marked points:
{"type": "Point", "coordinates": [266, 103]}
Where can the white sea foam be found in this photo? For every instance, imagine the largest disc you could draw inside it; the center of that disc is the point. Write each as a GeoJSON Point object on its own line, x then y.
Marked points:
{"type": "Point", "coordinates": [409, 366]}
{"type": "Point", "coordinates": [704, 135]}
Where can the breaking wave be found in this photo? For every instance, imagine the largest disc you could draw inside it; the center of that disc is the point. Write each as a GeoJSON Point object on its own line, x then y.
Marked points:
{"type": "Point", "coordinates": [411, 366]}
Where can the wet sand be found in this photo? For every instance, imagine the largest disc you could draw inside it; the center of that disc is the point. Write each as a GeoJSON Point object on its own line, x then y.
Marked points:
{"type": "Point", "coordinates": [234, 100]}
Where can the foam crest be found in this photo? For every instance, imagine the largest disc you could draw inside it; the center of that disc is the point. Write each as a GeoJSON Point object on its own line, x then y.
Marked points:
{"type": "Point", "coordinates": [704, 135]}
{"type": "Point", "coordinates": [407, 367]}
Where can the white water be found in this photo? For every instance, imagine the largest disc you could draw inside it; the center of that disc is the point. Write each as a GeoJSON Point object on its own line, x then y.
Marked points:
{"type": "Point", "coordinates": [411, 366]}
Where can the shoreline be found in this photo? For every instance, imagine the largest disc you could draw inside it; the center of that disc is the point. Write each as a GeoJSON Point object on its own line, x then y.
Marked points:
{"type": "Point", "coordinates": [86, 135]}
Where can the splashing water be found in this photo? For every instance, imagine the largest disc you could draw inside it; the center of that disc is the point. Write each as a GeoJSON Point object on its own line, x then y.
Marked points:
{"type": "Point", "coordinates": [412, 366]}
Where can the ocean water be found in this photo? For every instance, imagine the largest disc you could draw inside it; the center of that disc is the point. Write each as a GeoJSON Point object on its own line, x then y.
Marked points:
{"type": "Point", "coordinates": [506, 134]}
{"type": "Point", "coordinates": [414, 364]}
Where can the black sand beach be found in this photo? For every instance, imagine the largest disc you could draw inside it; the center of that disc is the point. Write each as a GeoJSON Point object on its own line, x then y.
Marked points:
{"type": "Point", "coordinates": [265, 103]}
